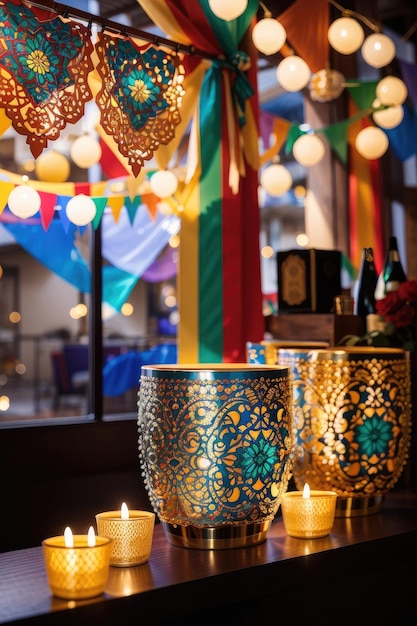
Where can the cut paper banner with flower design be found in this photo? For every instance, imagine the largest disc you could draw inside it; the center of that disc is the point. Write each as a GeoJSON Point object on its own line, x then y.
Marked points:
{"type": "Point", "coordinates": [43, 73]}
{"type": "Point", "coordinates": [139, 98]}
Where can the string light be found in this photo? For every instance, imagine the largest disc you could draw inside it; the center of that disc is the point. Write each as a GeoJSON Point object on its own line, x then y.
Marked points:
{"type": "Point", "coordinates": [345, 35]}
{"type": "Point", "coordinates": [308, 150]}
{"type": "Point", "coordinates": [371, 142]}
{"type": "Point", "coordinates": [227, 10]}
{"type": "Point", "coordinates": [391, 90]}
{"type": "Point", "coordinates": [276, 179]}
{"type": "Point", "coordinates": [293, 73]}
{"type": "Point", "coordinates": [268, 35]}
{"type": "Point", "coordinates": [378, 50]}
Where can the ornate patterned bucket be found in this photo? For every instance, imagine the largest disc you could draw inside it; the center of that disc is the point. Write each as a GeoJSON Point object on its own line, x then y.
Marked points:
{"type": "Point", "coordinates": [352, 417]}
{"type": "Point", "coordinates": [215, 444]}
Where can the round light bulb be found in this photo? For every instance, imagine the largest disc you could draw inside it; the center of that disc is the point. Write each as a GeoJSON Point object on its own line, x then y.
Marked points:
{"type": "Point", "coordinates": [163, 183]}
{"type": "Point", "coordinates": [308, 150]}
{"type": "Point", "coordinates": [85, 151]}
{"type": "Point", "coordinates": [81, 210]}
{"type": "Point", "coordinates": [293, 73]}
{"type": "Point", "coordinates": [345, 35]}
{"type": "Point", "coordinates": [268, 35]}
{"type": "Point", "coordinates": [371, 142]}
{"type": "Point", "coordinates": [388, 118]}
{"type": "Point", "coordinates": [24, 201]}
{"type": "Point", "coordinates": [378, 50]}
{"type": "Point", "coordinates": [227, 10]}
{"type": "Point", "coordinates": [391, 90]}
{"type": "Point", "coordinates": [52, 167]}
{"type": "Point", "coordinates": [276, 179]}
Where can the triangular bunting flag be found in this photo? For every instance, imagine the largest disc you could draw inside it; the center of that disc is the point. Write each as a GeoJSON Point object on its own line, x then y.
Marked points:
{"type": "Point", "coordinates": [363, 94]}
{"type": "Point", "coordinates": [293, 134]}
{"type": "Point", "coordinates": [403, 138]}
{"type": "Point", "coordinates": [132, 207]}
{"type": "Point", "coordinates": [61, 205]}
{"type": "Point", "coordinates": [151, 202]}
{"type": "Point", "coordinates": [280, 128]}
{"type": "Point", "coordinates": [5, 189]}
{"type": "Point", "coordinates": [82, 188]}
{"type": "Point", "coordinates": [337, 137]}
{"type": "Point", "coordinates": [48, 202]}
{"type": "Point", "coordinates": [116, 204]}
{"type": "Point", "coordinates": [101, 204]}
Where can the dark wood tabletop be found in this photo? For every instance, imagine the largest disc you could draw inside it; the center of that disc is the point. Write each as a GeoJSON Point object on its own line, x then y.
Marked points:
{"type": "Point", "coordinates": [361, 567]}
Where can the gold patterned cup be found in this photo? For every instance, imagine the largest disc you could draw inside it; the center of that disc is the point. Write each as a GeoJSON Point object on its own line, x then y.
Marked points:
{"type": "Point", "coordinates": [78, 572]}
{"type": "Point", "coordinates": [214, 444]}
{"type": "Point", "coordinates": [352, 415]}
{"type": "Point", "coordinates": [308, 517]}
{"type": "Point", "coordinates": [131, 538]}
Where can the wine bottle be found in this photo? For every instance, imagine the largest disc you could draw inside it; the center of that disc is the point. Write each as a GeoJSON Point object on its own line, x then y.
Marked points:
{"type": "Point", "coordinates": [364, 300]}
{"type": "Point", "coordinates": [392, 274]}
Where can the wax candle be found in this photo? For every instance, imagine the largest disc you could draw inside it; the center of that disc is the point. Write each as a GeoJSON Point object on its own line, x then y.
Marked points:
{"type": "Point", "coordinates": [308, 513]}
{"type": "Point", "coordinates": [77, 566]}
{"type": "Point", "coordinates": [131, 533]}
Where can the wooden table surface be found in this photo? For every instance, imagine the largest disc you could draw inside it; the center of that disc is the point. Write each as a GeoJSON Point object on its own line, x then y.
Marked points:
{"type": "Point", "coordinates": [364, 563]}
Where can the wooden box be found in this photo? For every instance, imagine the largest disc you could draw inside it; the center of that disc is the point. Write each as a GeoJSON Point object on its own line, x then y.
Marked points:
{"type": "Point", "coordinates": [308, 280]}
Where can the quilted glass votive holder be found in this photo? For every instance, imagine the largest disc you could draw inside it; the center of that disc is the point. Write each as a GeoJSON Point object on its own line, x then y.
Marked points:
{"type": "Point", "coordinates": [308, 518]}
{"type": "Point", "coordinates": [131, 538]}
{"type": "Point", "coordinates": [78, 572]}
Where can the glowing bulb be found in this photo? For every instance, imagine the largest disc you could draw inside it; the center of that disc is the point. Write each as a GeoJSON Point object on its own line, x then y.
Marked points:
{"type": "Point", "coordinates": [293, 73]}
{"type": "Point", "coordinates": [227, 10]}
{"type": "Point", "coordinates": [85, 151]}
{"type": "Point", "coordinates": [124, 511]}
{"type": "Point", "coordinates": [391, 90]}
{"type": "Point", "coordinates": [276, 179]}
{"type": "Point", "coordinates": [371, 142]}
{"type": "Point", "coordinates": [308, 150]}
{"type": "Point", "coordinates": [388, 118]}
{"type": "Point", "coordinates": [378, 50]}
{"type": "Point", "coordinates": [268, 35]}
{"type": "Point", "coordinates": [52, 167]}
{"type": "Point", "coordinates": [345, 35]}
{"type": "Point", "coordinates": [24, 201]}
{"type": "Point", "coordinates": [127, 309]}
{"type": "Point", "coordinates": [164, 183]}
{"type": "Point", "coordinates": [81, 210]}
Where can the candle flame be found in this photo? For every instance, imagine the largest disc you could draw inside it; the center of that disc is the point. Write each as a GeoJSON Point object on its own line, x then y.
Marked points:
{"type": "Point", "coordinates": [91, 537]}
{"type": "Point", "coordinates": [68, 537]}
{"type": "Point", "coordinates": [306, 491]}
{"type": "Point", "coordinates": [124, 512]}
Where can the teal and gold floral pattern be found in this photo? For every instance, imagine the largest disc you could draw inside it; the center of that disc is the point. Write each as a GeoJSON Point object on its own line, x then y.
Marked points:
{"type": "Point", "coordinates": [140, 96]}
{"type": "Point", "coordinates": [215, 452]}
{"type": "Point", "coordinates": [43, 72]}
{"type": "Point", "coordinates": [353, 422]}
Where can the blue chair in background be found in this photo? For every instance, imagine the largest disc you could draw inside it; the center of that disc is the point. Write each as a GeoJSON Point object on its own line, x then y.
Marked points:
{"type": "Point", "coordinates": [123, 372]}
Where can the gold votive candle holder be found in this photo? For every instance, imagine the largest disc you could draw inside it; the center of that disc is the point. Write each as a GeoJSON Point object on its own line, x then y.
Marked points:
{"type": "Point", "coordinates": [78, 572]}
{"type": "Point", "coordinates": [308, 517]}
{"type": "Point", "coordinates": [131, 538]}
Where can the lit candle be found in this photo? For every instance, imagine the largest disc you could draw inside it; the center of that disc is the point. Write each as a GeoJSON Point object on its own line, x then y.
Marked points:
{"type": "Point", "coordinates": [77, 566]}
{"type": "Point", "coordinates": [131, 533]}
{"type": "Point", "coordinates": [308, 514]}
